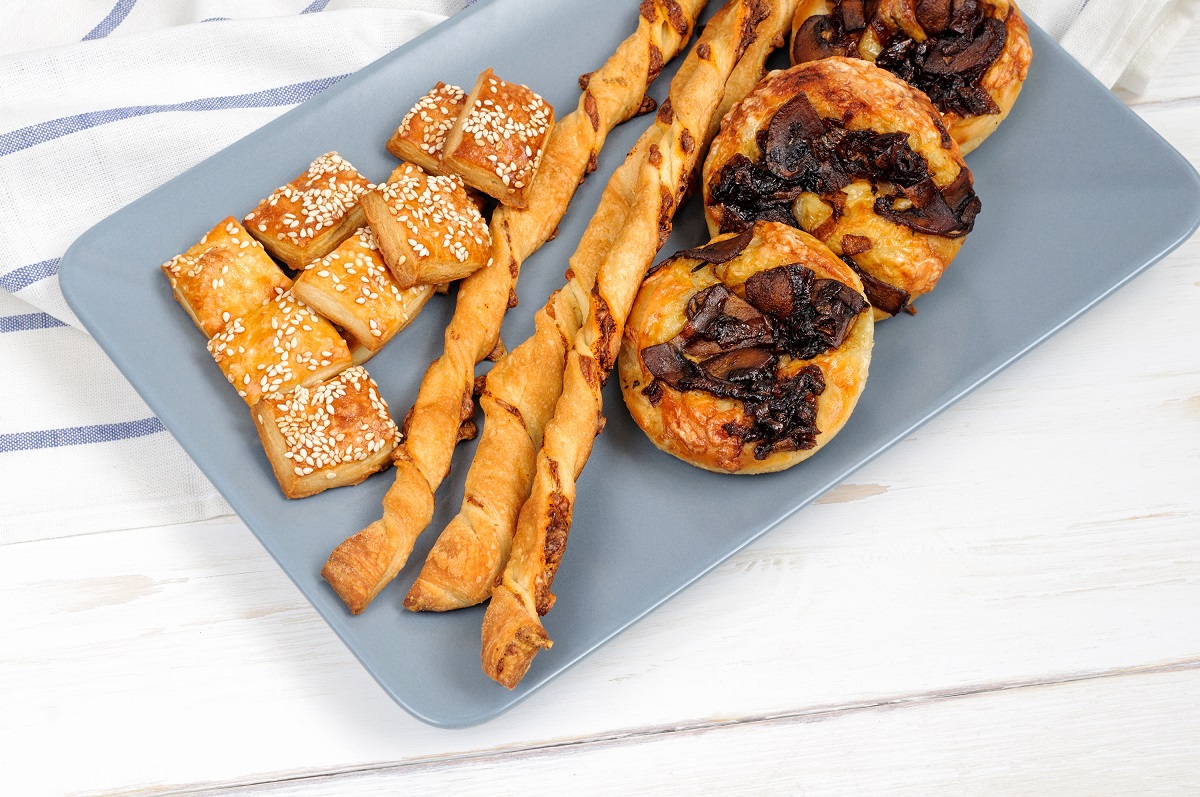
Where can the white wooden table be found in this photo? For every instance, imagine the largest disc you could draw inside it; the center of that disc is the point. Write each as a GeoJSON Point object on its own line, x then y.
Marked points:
{"type": "Point", "coordinates": [1008, 602]}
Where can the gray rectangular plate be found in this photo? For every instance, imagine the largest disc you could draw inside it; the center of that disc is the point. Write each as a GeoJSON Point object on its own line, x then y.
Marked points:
{"type": "Point", "coordinates": [1079, 195]}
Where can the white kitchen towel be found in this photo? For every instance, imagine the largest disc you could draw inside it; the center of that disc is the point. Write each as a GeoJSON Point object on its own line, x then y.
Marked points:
{"type": "Point", "coordinates": [101, 101]}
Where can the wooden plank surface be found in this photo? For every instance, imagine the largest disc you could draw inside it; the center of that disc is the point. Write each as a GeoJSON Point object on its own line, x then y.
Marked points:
{"type": "Point", "coordinates": [1036, 548]}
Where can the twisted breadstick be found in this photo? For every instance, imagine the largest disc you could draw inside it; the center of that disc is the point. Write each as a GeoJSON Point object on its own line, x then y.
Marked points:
{"type": "Point", "coordinates": [364, 563]}
{"type": "Point", "coordinates": [512, 631]}
{"type": "Point", "coordinates": [522, 387]}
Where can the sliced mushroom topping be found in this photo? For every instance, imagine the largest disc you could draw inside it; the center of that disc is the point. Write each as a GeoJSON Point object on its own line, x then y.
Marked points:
{"type": "Point", "coordinates": [933, 15]}
{"type": "Point", "coordinates": [961, 45]}
{"type": "Point", "coordinates": [720, 251]}
{"type": "Point", "coordinates": [739, 364]}
{"type": "Point", "coordinates": [804, 152]}
{"type": "Point", "coordinates": [737, 325]}
{"type": "Point", "coordinates": [821, 37]}
{"type": "Point", "coordinates": [854, 15]}
{"type": "Point", "coordinates": [882, 295]}
{"type": "Point", "coordinates": [810, 315]}
{"type": "Point", "coordinates": [949, 65]}
{"type": "Point", "coordinates": [739, 343]}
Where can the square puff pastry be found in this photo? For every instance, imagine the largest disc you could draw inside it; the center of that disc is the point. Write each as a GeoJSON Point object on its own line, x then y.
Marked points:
{"type": "Point", "coordinates": [497, 142]}
{"type": "Point", "coordinates": [308, 218]}
{"type": "Point", "coordinates": [352, 287]}
{"type": "Point", "coordinates": [332, 435]}
{"type": "Point", "coordinates": [226, 275]}
{"type": "Point", "coordinates": [427, 228]}
{"type": "Point", "coordinates": [423, 130]}
{"type": "Point", "coordinates": [277, 347]}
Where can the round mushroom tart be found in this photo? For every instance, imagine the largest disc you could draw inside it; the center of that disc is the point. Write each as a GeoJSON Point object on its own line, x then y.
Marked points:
{"type": "Point", "coordinates": [855, 156]}
{"type": "Point", "coordinates": [970, 56]}
{"type": "Point", "coordinates": [748, 354]}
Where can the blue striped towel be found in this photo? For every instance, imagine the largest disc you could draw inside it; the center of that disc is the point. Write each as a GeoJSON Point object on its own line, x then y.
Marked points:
{"type": "Point", "coordinates": [102, 101]}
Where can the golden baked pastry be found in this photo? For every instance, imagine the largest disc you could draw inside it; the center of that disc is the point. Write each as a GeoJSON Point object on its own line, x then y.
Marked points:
{"type": "Point", "coordinates": [352, 287]}
{"type": "Point", "coordinates": [858, 158]}
{"type": "Point", "coordinates": [365, 562]}
{"type": "Point", "coordinates": [310, 216]}
{"type": "Point", "coordinates": [519, 393]}
{"type": "Point", "coordinates": [970, 57]}
{"type": "Point", "coordinates": [497, 141]}
{"type": "Point", "coordinates": [227, 274]}
{"type": "Point", "coordinates": [333, 434]}
{"type": "Point", "coordinates": [277, 347]}
{"type": "Point", "coordinates": [422, 132]}
{"type": "Point", "coordinates": [513, 633]}
{"type": "Point", "coordinates": [426, 226]}
{"type": "Point", "coordinates": [748, 354]}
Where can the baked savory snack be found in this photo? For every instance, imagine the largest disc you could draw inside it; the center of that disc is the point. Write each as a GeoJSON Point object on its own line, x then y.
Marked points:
{"type": "Point", "coordinates": [226, 275]}
{"type": "Point", "coordinates": [426, 226]}
{"type": "Point", "coordinates": [513, 633]}
{"type": "Point", "coordinates": [422, 132]}
{"type": "Point", "coordinates": [858, 158]}
{"type": "Point", "coordinates": [277, 347]}
{"type": "Point", "coordinates": [497, 141]}
{"type": "Point", "coordinates": [352, 287]}
{"type": "Point", "coordinates": [472, 549]}
{"type": "Point", "coordinates": [970, 57]}
{"type": "Point", "coordinates": [748, 354]}
{"type": "Point", "coordinates": [365, 562]}
{"type": "Point", "coordinates": [333, 434]}
{"type": "Point", "coordinates": [310, 216]}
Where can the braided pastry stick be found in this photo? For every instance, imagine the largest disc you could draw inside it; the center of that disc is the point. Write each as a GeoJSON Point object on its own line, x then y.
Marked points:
{"type": "Point", "coordinates": [518, 399]}
{"type": "Point", "coordinates": [512, 630]}
{"type": "Point", "coordinates": [364, 563]}
{"type": "Point", "coordinates": [523, 386]}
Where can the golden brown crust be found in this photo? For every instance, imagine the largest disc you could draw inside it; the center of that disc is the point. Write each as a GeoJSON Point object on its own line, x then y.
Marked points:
{"type": "Point", "coordinates": [277, 347]}
{"type": "Point", "coordinates": [310, 216]}
{"type": "Point", "coordinates": [353, 288]}
{"type": "Point", "coordinates": [521, 390]}
{"type": "Point", "coordinates": [518, 399]}
{"type": "Point", "coordinates": [366, 562]}
{"type": "Point", "coordinates": [496, 144]}
{"type": "Point", "coordinates": [422, 132]}
{"type": "Point", "coordinates": [862, 97]}
{"type": "Point", "coordinates": [226, 275]}
{"type": "Point", "coordinates": [1002, 81]}
{"type": "Point", "coordinates": [427, 228]}
{"type": "Point", "coordinates": [335, 434]}
{"type": "Point", "coordinates": [694, 425]}
{"type": "Point", "coordinates": [513, 632]}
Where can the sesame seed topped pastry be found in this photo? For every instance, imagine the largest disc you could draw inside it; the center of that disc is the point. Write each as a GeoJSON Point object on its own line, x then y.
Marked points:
{"type": "Point", "coordinates": [226, 275]}
{"type": "Point", "coordinates": [423, 130]}
{"type": "Point", "coordinates": [277, 347]}
{"type": "Point", "coordinates": [352, 287]}
{"type": "Point", "coordinates": [970, 56]}
{"type": "Point", "coordinates": [308, 218]}
{"type": "Point", "coordinates": [334, 434]}
{"type": "Point", "coordinates": [748, 354]}
{"type": "Point", "coordinates": [856, 157]}
{"type": "Point", "coordinates": [426, 226]}
{"type": "Point", "coordinates": [497, 142]}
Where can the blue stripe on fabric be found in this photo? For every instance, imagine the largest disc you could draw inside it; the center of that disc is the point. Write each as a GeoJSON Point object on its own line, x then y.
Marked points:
{"type": "Point", "coordinates": [42, 132]}
{"type": "Point", "coordinates": [315, 6]}
{"type": "Point", "coordinates": [23, 277]}
{"type": "Point", "coordinates": [79, 435]}
{"type": "Point", "coordinates": [216, 19]}
{"type": "Point", "coordinates": [28, 321]}
{"type": "Point", "coordinates": [114, 18]}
